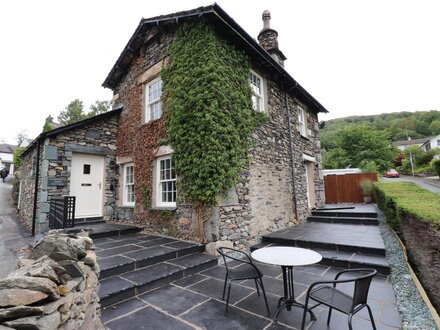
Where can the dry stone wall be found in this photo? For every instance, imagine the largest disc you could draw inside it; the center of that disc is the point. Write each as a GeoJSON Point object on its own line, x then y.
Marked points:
{"type": "Point", "coordinates": [56, 288]}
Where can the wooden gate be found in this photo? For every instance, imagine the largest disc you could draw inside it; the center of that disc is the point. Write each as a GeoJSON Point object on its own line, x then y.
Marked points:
{"type": "Point", "coordinates": [345, 188]}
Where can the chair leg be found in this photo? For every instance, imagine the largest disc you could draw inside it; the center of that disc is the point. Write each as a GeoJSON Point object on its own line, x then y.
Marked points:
{"type": "Point", "coordinates": [224, 287]}
{"type": "Point", "coordinates": [371, 316]}
{"type": "Point", "coordinates": [306, 304]}
{"type": "Point", "coordinates": [350, 316]}
{"type": "Point", "coordinates": [264, 295]}
{"type": "Point", "coordinates": [227, 297]}
{"type": "Point", "coordinates": [256, 285]}
{"type": "Point", "coordinates": [329, 315]}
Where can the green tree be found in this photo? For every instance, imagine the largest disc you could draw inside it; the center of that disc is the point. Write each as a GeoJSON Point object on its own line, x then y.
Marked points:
{"type": "Point", "coordinates": [98, 108]}
{"type": "Point", "coordinates": [73, 112]}
{"type": "Point", "coordinates": [434, 127]}
{"type": "Point", "coordinates": [360, 144]}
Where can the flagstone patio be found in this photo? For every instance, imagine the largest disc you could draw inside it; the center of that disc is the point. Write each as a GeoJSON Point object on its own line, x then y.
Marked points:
{"type": "Point", "coordinates": [195, 303]}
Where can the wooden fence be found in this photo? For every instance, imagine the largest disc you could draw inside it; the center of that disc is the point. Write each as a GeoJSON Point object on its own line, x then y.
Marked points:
{"type": "Point", "coordinates": [345, 188]}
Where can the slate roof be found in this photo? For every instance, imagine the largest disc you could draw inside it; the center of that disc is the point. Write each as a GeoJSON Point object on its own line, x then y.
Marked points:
{"type": "Point", "coordinates": [411, 142]}
{"type": "Point", "coordinates": [230, 30]}
{"type": "Point", "coordinates": [7, 148]}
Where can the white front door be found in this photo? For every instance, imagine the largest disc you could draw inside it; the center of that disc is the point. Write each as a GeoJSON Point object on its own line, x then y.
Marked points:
{"type": "Point", "coordinates": [87, 184]}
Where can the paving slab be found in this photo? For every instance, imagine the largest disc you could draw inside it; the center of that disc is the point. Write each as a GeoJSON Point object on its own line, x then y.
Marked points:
{"type": "Point", "coordinates": [172, 299]}
{"type": "Point", "coordinates": [148, 318]}
{"type": "Point", "coordinates": [210, 315]}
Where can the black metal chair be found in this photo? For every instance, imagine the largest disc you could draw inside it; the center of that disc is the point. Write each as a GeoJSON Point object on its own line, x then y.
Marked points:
{"type": "Point", "coordinates": [336, 299]}
{"type": "Point", "coordinates": [246, 271]}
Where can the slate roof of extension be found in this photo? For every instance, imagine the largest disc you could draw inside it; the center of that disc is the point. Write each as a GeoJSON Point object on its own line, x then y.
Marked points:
{"type": "Point", "coordinates": [230, 30]}
{"type": "Point", "coordinates": [7, 148]}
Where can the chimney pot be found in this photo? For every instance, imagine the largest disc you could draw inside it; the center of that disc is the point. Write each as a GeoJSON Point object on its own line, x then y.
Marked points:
{"type": "Point", "coordinates": [266, 19]}
{"type": "Point", "coordinates": [268, 39]}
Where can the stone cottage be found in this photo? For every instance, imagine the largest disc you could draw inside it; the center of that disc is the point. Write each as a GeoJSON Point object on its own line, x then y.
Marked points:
{"type": "Point", "coordinates": [279, 186]}
{"type": "Point", "coordinates": [77, 159]}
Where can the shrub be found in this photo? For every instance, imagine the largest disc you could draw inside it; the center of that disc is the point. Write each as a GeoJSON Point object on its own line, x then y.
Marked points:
{"type": "Point", "coordinates": [436, 165]}
{"type": "Point", "coordinates": [366, 187]}
{"type": "Point", "coordinates": [399, 198]}
{"type": "Point", "coordinates": [368, 166]}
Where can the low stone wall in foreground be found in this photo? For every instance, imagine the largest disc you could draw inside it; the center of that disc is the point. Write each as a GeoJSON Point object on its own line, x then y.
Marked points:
{"type": "Point", "coordinates": [56, 288]}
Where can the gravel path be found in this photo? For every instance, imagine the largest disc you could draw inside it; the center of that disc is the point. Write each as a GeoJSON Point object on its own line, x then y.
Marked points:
{"type": "Point", "coordinates": [413, 310]}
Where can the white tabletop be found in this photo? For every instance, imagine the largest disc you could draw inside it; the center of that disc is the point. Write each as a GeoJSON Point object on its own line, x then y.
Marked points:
{"type": "Point", "coordinates": [286, 256]}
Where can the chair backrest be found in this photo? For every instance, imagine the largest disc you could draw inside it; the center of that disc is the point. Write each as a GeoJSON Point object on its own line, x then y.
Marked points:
{"type": "Point", "coordinates": [362, 286]}
{"type": "Point", "coordinates": [223, 251]}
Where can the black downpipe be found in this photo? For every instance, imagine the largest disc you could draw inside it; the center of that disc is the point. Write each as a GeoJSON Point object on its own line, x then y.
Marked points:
{"type": "Point", "coordinates": [292, 159]}
{"type": "Point", "coordinates": [37, 174]}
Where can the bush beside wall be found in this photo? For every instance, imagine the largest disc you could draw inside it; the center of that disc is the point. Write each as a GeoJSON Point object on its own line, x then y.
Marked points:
{"type": "Point", "coordinates": [415, 214]}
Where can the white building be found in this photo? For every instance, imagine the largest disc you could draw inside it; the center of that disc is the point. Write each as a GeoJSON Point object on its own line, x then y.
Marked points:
{"type": "Point", "coordinates": [6, 157]}
{"type": "Point", "coordinates": [404, 144]}
{"type": "Point", "coordinates": [431, 143]}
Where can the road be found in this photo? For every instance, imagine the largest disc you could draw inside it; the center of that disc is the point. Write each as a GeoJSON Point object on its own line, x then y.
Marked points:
{"type": "Point", "coordinates": [421, 181]}
{"type": "Point", "coordinates": [13, 235]}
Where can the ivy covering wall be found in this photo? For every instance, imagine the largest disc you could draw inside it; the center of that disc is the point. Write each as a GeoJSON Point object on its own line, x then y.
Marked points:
{"type": "Point", "coordinates": [208, 112]}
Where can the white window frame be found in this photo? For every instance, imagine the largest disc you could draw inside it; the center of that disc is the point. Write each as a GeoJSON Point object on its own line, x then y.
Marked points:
{"type": "Point", "coordinates": [149, 102]}
{"type": "Point", "coordinates": [254, 93]}
{"type": "Point", "coordinates": [302, 124]}
{"type": "Point", "coordinates": [159, 181]}
{"type": "Point", "coordinates": [127, 184]}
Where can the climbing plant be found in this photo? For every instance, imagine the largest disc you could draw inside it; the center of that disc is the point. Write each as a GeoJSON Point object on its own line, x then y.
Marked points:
{"type": "Point", "coordinates": [208, 111]}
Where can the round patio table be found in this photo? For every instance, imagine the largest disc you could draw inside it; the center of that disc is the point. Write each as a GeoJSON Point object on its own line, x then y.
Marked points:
{"type": "Point", "coordinates": [287, 257]}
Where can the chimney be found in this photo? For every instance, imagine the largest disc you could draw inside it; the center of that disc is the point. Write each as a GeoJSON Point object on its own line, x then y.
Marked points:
{"type": "Point", "coordinates": [268, 39]}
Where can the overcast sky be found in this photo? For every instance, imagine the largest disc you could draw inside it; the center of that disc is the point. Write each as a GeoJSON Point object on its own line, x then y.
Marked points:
{"type": "Point", "coordinates": [355, 57]}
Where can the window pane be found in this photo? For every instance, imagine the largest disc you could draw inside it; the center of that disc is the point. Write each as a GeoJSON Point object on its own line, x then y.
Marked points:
{"type": "Point", "coordinates": [86, 169]}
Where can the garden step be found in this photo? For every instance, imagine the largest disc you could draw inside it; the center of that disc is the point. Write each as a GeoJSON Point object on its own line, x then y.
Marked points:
{"type": "Point", "coordinates": [350, 214]}
{"type": "Point", "coordinates": [88, 221]}
{"type": "Point", "coordinates": [346, 220]}
{"type": "Point", "coordinates": [102, 230]}
{"type": "Point", "coordinates": [117, 288]}
{"type": "Point", "coordinates": [330, 236]}
{"type": "Point", "coordinates": [144, 256]}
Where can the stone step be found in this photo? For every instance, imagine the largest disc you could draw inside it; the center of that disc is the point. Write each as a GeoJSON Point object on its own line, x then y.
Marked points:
{"type": "Point", "coordinates": [120, 256]}
{"type": "Point", "coordinates": [346, 260]}
{"type": "Point", "coordinates": [114, 289]}
{"type": "Point", "coordinates": [343, 214]}
{"type": "Point", "coordinates": [330, 236]}
{"type": "Point", "coordinates": [88, 221]}
{"type": "Point", "coordinates": [102, 230]}
{"type": "Point", "coordinates": [346, 220]}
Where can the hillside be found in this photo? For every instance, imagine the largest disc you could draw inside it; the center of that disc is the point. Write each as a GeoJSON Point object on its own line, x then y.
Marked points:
{"type": "Point", "coordinates": [398, 125]}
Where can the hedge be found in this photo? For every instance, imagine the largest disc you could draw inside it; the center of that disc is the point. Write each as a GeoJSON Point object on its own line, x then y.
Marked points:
{"type": "Point", "coordinates": [398, 198]}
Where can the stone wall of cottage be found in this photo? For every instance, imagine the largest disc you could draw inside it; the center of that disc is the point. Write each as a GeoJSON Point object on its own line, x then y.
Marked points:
{"type": "Point", "coordinates": [26, 174]}
{"type": "Point", "coordinates": [55, 165]}
{"type": "Point", "coordinates": [139, 141]}
{"type": "Point", "coordinates": [47, 294]}
{"type": "Point", "coordinates": [265, 194]}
